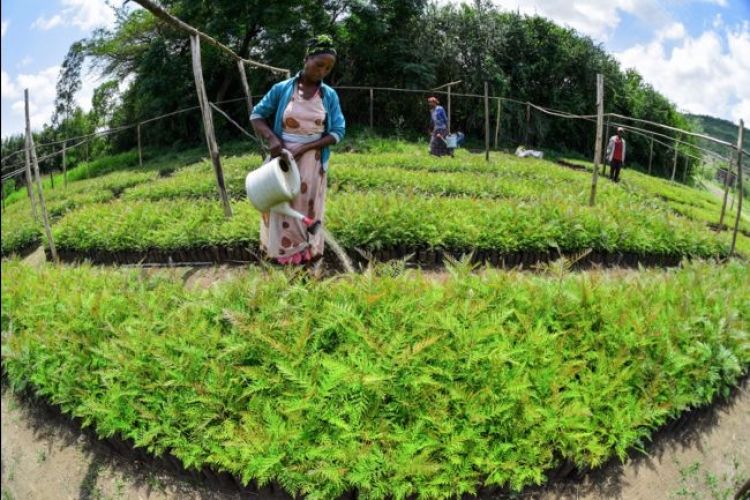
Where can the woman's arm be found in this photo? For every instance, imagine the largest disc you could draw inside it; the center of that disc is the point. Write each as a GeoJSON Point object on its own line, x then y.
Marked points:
{"type": "Point", "coordinates": [326, 140]}
{"type": "Point", "coordinates": [275, 143]}
{"type": "Point", "coordinates": [337, 123]}
{"type": "Point", "coordinates": [264, 111]}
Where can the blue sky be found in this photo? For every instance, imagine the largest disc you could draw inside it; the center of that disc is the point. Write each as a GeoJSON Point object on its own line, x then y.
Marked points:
{"type": "Point", "coordinates": [695, 52]}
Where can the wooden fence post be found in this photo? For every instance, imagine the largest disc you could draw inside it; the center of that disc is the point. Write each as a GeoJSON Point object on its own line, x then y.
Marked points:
{"type": "Point", "coordinates": [740, 192]}
{"type": "Point", "coordinates": [674, 163]}
{"type": "Point", "coordinates": [599, 135]}
{"type": "Point", "coordinates": [208, 125]}
{"type": "Point", "coordinates": [372, 108]}
{"type": "Point", "coordinates": [497, 122]}
{"type": "Point", "coordinates": [486, 122]}
{"type": "Point", "coordinates": [449, 109]}
{"type": "Point", "coordinates": [29, 180]}
{"type": "Point", "coordinates": [64, 164]}
{"type": "Point", "coordinates": [528, 125]}
{"type": "Point", "coordinates": [32, 150]}
{"type": "Point", "coordinates": [650, 155]}
{"type": "Point", "coordinates": [727, 178]}
{"type": "Point", "coordinates": [52, 175]}
{"type": "Point", "coordinates": [140, 151]}
{"type": "Point", "coordinates": [684, 174]}
{"type": "Point", "coordinates": [85, 156]}
{"type": "Point", "coordinates": [726, 193]}
{"type": "Point", "coordinates": [605, 140]}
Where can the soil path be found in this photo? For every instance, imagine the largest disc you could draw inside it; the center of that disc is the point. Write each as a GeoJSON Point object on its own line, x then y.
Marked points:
{"type": "Point", "coordinates": [46, 456]}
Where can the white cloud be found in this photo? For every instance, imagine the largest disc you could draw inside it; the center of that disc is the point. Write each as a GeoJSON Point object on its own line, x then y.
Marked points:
{"type": "Point", "coordinates": [708, 74]}
{"type": "Point", "coordinates": [594, 18]}
{"type": "Point", "coordinates": [41, 87]}
{"type": "Point", "coordinates": [84, 14]}
{"type": "Point", "coordinates": [675, 31]}
{"type": "Point", "coordinates": [88, 14]}
{"type": "Point", "coordinates": [42, 92]}
{"type": "Point", "coordinates": [8, 90]}
{"type": "Point", "coordinates": [47, 24]}
{"type": "Point", "coordinates": [5, 25]}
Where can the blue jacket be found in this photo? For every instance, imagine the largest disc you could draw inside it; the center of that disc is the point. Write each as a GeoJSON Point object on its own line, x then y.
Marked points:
{"type": "Point", "coordinates": [276, 100]}
{"type": "Point", "coordinates": [438, 118]}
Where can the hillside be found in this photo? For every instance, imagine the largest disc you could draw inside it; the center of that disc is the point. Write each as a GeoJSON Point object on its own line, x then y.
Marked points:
{"type": "Point", "coordinates": [719, 128]}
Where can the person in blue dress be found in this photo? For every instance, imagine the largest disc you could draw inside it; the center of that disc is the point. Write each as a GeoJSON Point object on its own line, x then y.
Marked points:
{"type": "Point", "coordinates": [438, 129]}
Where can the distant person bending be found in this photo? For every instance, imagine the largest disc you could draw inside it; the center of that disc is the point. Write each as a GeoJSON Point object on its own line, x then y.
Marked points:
{"type": "Point", "coordinates": [616, 154]}
{"type": "Point", "coordinates": [307, 119]}
{"type": "Point", "coordinates": [438, 128]}
{"type": "Point", "coordinates": [522, 152]}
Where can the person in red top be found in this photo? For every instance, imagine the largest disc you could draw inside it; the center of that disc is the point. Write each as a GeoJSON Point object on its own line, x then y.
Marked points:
{"type": "Point", "coordinates": [616, 155]}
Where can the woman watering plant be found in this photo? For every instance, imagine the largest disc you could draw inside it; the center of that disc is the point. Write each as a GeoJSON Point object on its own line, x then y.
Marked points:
{"type": "Point", "coordinates": [307, 120]}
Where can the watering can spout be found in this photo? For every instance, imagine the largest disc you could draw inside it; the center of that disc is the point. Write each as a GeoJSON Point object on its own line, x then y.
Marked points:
{"type": "Point", "coordinates": [272, 186]}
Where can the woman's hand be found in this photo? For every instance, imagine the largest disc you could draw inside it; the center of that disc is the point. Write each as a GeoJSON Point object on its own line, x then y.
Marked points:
{"type": "Point", "coordinates": [275, 145]}
{"type": "Point", "coordinates": [302, 150]}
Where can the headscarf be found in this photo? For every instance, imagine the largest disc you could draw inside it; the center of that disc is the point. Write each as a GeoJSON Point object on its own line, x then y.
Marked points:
{"type": "Point", "coordinates": [321, 44]}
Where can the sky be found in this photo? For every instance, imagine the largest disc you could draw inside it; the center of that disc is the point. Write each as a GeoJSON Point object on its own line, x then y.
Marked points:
{"type": "Point", "coordinates": [694, 52]}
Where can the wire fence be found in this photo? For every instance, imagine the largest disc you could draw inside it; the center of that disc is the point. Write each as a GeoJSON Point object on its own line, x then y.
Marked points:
{"type": "Point", "coordinates": [12, 169]}
{"type": "Point", "coordinates": [528, 132]}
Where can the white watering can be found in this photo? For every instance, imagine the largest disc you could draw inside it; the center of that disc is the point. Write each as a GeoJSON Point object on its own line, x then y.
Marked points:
{"type": "Point", "coordinates": [272, 186]}
{"type": "Point", "coordinates": [451, 141]}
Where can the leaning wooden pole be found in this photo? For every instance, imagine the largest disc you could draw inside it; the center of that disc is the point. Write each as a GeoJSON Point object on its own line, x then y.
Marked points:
{"type": "Point", "coordinates": [208, 124]}
{"type": "Point", "coordinates": [740, 192]}
{"type": "Point", "coordinates": [245, 87]}
{"type": "Point", "coordinates": [32, 151]}
{"type": "Point", "coordinates": [29, 180]}
{"type": "Point", "coordinates": [599, 135]}
{"type": "Point", "coordinates": [726, 194]}
{"type": "Point", "coordinates": [249, 102]}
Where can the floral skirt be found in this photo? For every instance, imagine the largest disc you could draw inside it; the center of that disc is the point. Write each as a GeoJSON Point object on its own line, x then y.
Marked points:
{"type": "Point", "coordinates": [285, 238]}
{"type": "Point", "coordinates": [437, 145]}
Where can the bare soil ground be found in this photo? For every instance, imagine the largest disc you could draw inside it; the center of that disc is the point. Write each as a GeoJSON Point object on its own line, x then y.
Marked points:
{"type": "Point", "coordinates": [46, 456]}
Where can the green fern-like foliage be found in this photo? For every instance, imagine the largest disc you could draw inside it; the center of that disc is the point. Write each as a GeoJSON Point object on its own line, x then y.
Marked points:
{"type": "Point", "coordinates": [392, 382]}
